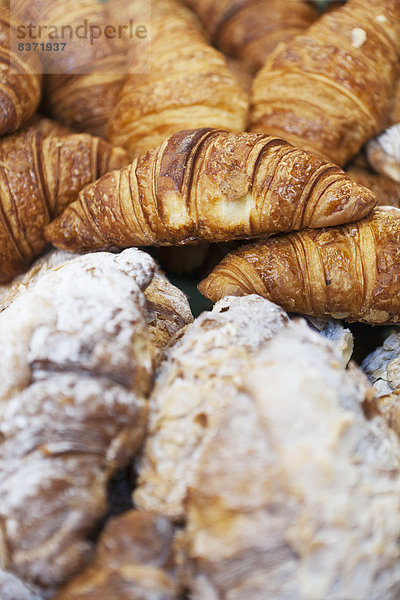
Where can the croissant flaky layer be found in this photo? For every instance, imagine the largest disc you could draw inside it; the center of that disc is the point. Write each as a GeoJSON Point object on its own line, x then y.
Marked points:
{"type": "Point", "coordinates": [20, 79]}
{"type": "Point", "coordinates": [40, 175]}
{"type": "Point", "coordinates": [188, 84]}
{"type": "Point", "coordinates": [331, 89]}
{"type": "Point", "coordinates": [210, 185]}
{"type": "Point", "coordinates": [350, 272]}
{"type": "Point", "coordinates": [251, 29]}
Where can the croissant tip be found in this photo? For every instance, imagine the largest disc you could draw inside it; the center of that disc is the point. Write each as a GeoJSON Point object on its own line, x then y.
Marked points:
{"type": "Point", "coordinates": [216, 286]}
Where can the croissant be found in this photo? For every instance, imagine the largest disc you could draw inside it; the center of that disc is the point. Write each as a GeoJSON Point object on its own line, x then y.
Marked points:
{"type": "Point", "coordinates": [198, 377]}
{"type": "Point", "coordinates": [39, 176]}
{"type": "Point", "coordinates": [331, 89]}
{"type": "Point", "coordinates": [75, 375]}
{"type": "Point", "coordinates": [210, 185]}
{"type": "Point", "coordinates": [84, 81]}
{"type": "Point", "coordinates": [350, 272]}
{"type": "Point", "coordinates": [296, 494]}
{"type": "Point", "coordinates": [133, 560]}
{"type": "Point", "coordinates": [385, 189]}
{"type": "Point", "coordinates": [20, 78]}
{"type": "Point", "coordinates": [251, 29]}
{"type": "Point", "coordinates": [187, 85]}
{"type": "Point", "coordinates": [382, 369]}
{"type": "Point", "coordinates": [167, 308]}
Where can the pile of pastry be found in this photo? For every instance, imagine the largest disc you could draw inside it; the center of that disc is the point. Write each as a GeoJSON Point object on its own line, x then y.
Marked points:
{"type": "Point", "coordinates": [145, 454]}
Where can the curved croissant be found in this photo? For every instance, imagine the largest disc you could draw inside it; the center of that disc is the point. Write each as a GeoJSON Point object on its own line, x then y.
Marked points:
{"type": "Point", "coordinates": [210, 185]}
{"type": "Point", "coordinates": [187, 85]}
{"type": "Point", "coordinates": [251, 29]}
{"type": "Point", "coordinates": [331, 89]}
{"type": "Point", "coordinates": [40, 175]}
{"type": "Point", "coordinates": [20, 79]}
{"type": "Point", "coordinates": [350, 272]}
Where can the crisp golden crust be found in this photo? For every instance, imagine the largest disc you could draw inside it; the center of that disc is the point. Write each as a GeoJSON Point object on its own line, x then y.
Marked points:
{"type": "Point", "coordinates": [189, 86]}
{"type": "Point", "coordinates": [40, 175]}
{"type": "Point", "coordinates": [214, 186]}
{"type": "Point", "coordinates": [251, 29]}
{"type": "Point", "coordinates": [386, 190]}
{"type": "Point", "coordinates": [133, 561]}
{"type": "Point", "coordinates": [350, 272]}
{"type": "Point", "coordinates": [84, 101]}
{"type": "Point", "coordinates": [331, 89]}
{"type": "Point", "coordinates": [20, 80]}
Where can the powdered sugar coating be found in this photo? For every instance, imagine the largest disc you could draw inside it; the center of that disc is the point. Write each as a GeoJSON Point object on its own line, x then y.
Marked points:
{"type": "Point", "coordinates": [199, 375]}
{"type": "Point", "coordinates": [297, 494]}
{"type": "Point", "coordinates": [75, 411]}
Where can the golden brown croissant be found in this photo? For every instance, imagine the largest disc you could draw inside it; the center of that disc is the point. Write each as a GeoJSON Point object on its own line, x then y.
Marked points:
{"type": "Point", "coordinates": [134, 560]}
{"type": "Point", "coordinates": [189, 85]}
{"type": "Point", "coordinates": [386, 190]}
{"type": "Point", "coordinates": [210, 185]}
{"type": "Point", "coordinates": [20, 78]}
{"type": "Point", "coordinates": [39, 176]}
{"type": "Point", "coordinates": [251, 29]}
{"type": "Point", "coordinates": [83, 81]}
{"type": "Point", "coordinates": [350, 272]}
{"type": "Point", "coordinates": [331, 89]}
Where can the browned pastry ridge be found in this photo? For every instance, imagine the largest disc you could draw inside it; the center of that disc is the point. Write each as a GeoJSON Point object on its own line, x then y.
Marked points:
{"type": "Point", "coordinates": [210, 185]}
{"type": "Point", "coordinates": [350, 272]}
{"type": "Point", "coordinates": [188, 84]}
{"type": "Point", "coordinates": [386, 190]}
{"type": "Point", "coordinates": [133, 561]}
{"type": "Point", "coordinates": [251, 29]}
{"type": "Point", "coordinates": [40, 175]}
{"type": "Point", "coordinates": [83, 81]}
{"type": "Point", "coordinates": [20, 78]}
{"type": "Point", "coordinates": [76, 372]}
{"type": "Point", "coordinates": [331, 89]}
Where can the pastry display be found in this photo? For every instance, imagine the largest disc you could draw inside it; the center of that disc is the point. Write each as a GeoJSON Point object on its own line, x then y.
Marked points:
{"type": "Point", "coordinates": [166, 438]}
{"type": "Point", "coordinates": [214, 186]}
